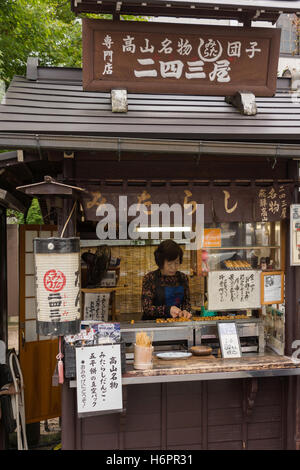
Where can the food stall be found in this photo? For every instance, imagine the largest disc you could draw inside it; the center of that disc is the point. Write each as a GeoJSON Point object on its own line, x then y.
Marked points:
{"type": "Point", "coordinates": [174, 148]}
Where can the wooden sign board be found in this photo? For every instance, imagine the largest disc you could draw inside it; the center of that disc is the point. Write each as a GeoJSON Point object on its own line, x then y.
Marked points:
{"type": "Point", "coordinates": [229, 340]}
{"type": "Point", "coordinates": [145, 57]}
{"type": "Point", "coordinates": [272, 287]}
{"type": "Point", "coordinates": [233, 290]}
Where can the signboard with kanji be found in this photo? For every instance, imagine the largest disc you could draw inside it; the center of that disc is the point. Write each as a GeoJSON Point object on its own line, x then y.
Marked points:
{"type": "Point", "coordinates": [234, 290]}
{"type": "Point", "coordinates": [99, 381]}
{"type": "Point", "coordinates": [156, 57]}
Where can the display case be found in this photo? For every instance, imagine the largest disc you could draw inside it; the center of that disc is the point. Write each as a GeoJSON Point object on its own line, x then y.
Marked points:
{"type": "Point", "coordinates": [242, 246]}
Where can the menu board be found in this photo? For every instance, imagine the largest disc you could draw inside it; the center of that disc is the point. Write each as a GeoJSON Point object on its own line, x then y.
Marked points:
{"type": "Point", "coordinates": [99, 381]}
{"type": "Point", "coordinates": [272, 287]}
{"type": "Point", "coordinates": [96, 306]}
{"type": "Point", "coordinates": [228, 290]}
{"type": "Point", "coordinates": [229, 340]}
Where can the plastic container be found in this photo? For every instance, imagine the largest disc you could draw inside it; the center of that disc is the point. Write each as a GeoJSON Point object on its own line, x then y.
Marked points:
{"type": "Point", "coordinates": [143, 357]}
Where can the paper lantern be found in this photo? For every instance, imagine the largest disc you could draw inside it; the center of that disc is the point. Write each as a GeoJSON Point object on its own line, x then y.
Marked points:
{"type": "Point", "coordinates": [57, 274]}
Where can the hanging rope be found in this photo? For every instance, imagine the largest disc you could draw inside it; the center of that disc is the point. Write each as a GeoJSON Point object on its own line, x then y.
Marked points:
{"type": "Point", "coordinates": [68, 219]}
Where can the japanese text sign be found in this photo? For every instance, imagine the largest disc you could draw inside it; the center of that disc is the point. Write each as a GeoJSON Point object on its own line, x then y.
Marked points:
{"type": "Point", "coordinates": [202, 60]}
{"type": "Point", "coordinates": [99, 382]}
{"type": "Point", "coordinates": [229, 340]}
{"type": "Point", "coordinates": [96, 306]}
{"type": "Point", "coordinates": [233, 290]}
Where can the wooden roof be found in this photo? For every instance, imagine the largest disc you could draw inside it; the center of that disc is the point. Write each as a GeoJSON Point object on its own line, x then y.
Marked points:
{"type": "Point", "coordinates": [243, 10]}
{"type": "Point", "coordinates": [55, 104]}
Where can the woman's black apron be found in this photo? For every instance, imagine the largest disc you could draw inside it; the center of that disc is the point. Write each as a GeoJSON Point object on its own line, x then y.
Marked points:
{"type": "Point", "coordinates": [167, 295]}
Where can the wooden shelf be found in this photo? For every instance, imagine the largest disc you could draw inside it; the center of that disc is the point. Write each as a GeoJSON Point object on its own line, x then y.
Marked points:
{"type": "Point", "coordinates": [229, 248]}
{"type": "Point", "coordinates": [103, 290]}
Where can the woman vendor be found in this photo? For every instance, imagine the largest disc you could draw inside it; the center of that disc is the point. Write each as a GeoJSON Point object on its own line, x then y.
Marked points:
{"type": "Point", "coordinates": [165, 291]}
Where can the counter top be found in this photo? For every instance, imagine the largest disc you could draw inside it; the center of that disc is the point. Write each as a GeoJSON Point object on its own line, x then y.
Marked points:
{"type": "Point", "coordinates": [195, 368]}
{"type": "Point", "coordinates": [211, 368]}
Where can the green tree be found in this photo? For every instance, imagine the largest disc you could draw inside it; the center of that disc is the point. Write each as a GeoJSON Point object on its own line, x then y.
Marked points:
{"type": "Point", "coordinates": [47, 29]}
{"type": "Point", "coordinates": [34, 215]}
{"type": "Point", "coordinates": [44, 28]}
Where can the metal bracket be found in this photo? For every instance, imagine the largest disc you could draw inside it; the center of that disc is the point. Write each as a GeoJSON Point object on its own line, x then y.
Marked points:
{"type": "Point", "coordinates": [244, 101]}
{"type": "Point", "coordinates": [119, 102]}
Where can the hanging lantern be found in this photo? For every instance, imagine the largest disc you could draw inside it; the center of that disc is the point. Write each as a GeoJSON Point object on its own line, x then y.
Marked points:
{"type": "Point", "coordinates": [57, 273]}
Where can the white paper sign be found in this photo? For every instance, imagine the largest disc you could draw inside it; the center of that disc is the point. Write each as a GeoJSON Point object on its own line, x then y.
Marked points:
{"type": "Point", "coordinates": [96, 306]}
{"type": "Point", "coordinates": [272, 288]}
{"type": "Point", "coordinates": [295, 234]}
{"type": "Point", "coordinates": [229, 290]}
{"type": "Point", "coordinates": [99, 380]}
{"type": "Point", "coordinates": [229, 340]}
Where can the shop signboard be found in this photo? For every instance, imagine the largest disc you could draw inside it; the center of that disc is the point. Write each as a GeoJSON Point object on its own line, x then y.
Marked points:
{"type": "Point", "coordinates": [159, 58]}
{"type": "Point", "coordinates": [99, 381]}
{"type": "Point", "coordinates": [234, 290]}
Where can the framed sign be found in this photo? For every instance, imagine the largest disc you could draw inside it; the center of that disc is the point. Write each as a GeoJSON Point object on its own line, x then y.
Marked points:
{"type": "Point", "coordinates": [229, 340]}
{"type": "Point", "coordinates": [145, 57]}
{"type": "Point", "coordinates": [272, 287]}
{"type": "Point", "coordinates": [96, 306]}
{"type": "Point", "coordinates": [295, 234]}
{"type": "Point", "coordinates": [99, 381]}
{"type": "Point", "coordinates": [229, 290]}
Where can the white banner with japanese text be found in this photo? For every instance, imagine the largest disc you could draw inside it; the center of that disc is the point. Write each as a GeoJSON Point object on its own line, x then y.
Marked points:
{"type": "Point", "coordinates": [229, 290]}
{"type": "Point", "coordinates": [99, 380]}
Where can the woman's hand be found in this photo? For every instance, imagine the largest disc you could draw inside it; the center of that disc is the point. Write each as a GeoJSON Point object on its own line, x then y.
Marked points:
{"type": "Point", "coordinates": [175, 312]}
{"type": "Point", "coordinates": [186, 314]}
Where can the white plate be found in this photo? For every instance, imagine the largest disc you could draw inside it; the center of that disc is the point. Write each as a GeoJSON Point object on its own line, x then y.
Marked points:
{"type": "Point", "coordinates": [167, 356]}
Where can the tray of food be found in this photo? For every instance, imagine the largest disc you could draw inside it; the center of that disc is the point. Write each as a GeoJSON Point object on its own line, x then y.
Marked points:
{"type": "Point", "coordinates": [237, 265]}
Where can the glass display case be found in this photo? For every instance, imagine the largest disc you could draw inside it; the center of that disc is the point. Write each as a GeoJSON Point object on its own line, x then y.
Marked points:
{"type": "Point", "coordinates": [242, 246]}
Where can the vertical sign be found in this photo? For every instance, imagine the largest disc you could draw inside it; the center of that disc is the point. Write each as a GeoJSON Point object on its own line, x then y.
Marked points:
{"type": "Point", "coordinates": [96, 306]}
{"type": "Point", "coordinates": [229, 340]}
{"type": "Point", "coordinates": [99, 381]}
{"type": "Point", "coordinates": [295, 234]}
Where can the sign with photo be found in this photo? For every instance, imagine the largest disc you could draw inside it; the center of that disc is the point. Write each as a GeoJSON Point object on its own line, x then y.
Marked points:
{"type": "Point", "coordinates": [99, 381]}
{"type": "Point", "coordinates": [229, 340]}
{"type": "Point", "coordinates": [229, 290]}
{"type": "Point", "coordinates": [194, 59]}
{"type": "Point", "coordinates": [272, 287]}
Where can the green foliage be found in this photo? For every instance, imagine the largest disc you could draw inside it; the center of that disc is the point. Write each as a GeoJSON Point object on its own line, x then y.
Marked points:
{"type": "Point", "coordinates": [34, 215]}
{"type": "Point", "coordinates": [44, 28]}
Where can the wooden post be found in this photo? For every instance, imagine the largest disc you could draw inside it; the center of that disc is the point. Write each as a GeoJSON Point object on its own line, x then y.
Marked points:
{"type": "Point", "coordinates": [3, 299]}
{"type": "Point", "coordinates": [292, 330]}
{"type": "Point", "coordinates": [70, 423]}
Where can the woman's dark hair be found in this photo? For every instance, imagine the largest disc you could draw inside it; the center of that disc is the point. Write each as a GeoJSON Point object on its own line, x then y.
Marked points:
{"type": "Point", "coordinates": [167, 250]}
